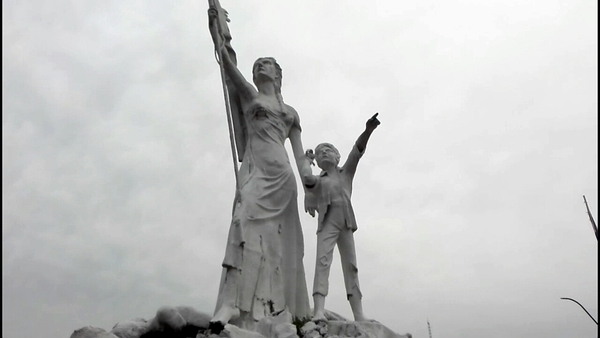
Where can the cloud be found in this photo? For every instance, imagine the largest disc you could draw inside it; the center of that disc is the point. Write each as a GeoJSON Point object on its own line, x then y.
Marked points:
{"type": "Point", "coordinates": [118, 182]}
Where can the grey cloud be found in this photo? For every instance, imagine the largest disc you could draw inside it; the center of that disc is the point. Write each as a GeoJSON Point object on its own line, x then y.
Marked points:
{"type": "Point", "coordinates": [118, 182]}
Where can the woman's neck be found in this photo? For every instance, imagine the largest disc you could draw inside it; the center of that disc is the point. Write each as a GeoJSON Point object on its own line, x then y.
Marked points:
{"type": "Point", "coordinates": [266, 88]}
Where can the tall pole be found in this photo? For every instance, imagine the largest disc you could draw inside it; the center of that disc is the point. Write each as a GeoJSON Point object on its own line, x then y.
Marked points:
{"type": "Point", "coordinates": [591, 218]}
{"type": "Point", "coordinates": [229, 122]}
{"type": "Point", "coordinates": [218, 54]}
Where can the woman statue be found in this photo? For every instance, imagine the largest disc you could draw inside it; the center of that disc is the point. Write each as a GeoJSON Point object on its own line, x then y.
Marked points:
{"type": "Point", "coordinates": [263, 273]}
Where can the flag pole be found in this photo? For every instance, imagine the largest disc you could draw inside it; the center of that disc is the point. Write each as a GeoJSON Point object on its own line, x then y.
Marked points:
{"type": "Point", "coordinates": [219, 58]}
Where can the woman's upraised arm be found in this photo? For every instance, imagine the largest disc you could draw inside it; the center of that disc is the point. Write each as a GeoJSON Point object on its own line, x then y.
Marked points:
{"type": "Point", "coordinates": [246, 91]}
{"type": "Point", "coordinates": [222, 45]}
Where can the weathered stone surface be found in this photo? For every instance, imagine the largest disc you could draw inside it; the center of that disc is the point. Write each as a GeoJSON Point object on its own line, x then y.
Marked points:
{"type": "Point", "coordinates": [271, 327]}
{"type": "Point", "coordinates": [323, 329]}
{"type": "Point", "coordinates": [279, 326]}
{"type": "Point", "coordinates": [91, 332]}
{"type": "Point", "coordinates": [330, 315]}
{"type": "Point", "coordinates": [362, 329]}
{"type": "Point", "coordinates": [169, 317]}
{"type": "Point", "coordinates": [193, 316]}
{"type": "Point", "coordinates": [187, 322]}
{"type": "Point", "coordinates": [232, 331]}
{"type": "Point", "coordinates": [179, 321]}
{"type": "Point", "coordinates": [335, 329]}
{"type": "Point", "coordinates": [312, 334]}
{"type": "Point", "coordinates": [134, 328]}
{"type": "Point", "coordinates": [308, 327]}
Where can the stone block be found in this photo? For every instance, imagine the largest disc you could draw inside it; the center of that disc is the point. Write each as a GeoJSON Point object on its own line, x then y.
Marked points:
{"type": "Point", "coordinates": [91, 332]}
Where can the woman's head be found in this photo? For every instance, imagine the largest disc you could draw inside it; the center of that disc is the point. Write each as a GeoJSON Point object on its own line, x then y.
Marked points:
{"type": "Point", "coordinates": [267, 68]}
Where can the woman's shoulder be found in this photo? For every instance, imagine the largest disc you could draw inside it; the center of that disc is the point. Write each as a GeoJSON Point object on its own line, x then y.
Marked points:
{"type": "Point", "coordinates": [291, 110]}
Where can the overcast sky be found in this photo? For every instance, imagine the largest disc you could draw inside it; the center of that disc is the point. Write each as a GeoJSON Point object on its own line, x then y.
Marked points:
{"type": "Point", "coordinates": [117, 180]}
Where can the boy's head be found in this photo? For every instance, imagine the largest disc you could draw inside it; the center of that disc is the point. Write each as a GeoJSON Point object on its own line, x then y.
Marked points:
{"type": "Point", "coordinates": [326, 152]}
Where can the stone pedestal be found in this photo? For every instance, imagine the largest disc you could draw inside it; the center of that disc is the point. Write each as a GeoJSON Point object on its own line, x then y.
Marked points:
{"type": "Point", "coordinates": [335, 328]}
{"type": "Point", "coordinates": [92, 332]}
{"type": "Point", "coordinates": [186, 322]}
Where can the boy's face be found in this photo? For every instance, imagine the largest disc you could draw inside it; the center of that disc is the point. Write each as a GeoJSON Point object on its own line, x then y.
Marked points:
{"type": "Point", "coordinates": [325, 155]}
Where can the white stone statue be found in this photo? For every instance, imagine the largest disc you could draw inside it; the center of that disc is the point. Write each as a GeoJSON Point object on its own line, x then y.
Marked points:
{"type": "Point", "coordinates": [263, 272]}
{"type": "Point", "coordinates": [329, 194]}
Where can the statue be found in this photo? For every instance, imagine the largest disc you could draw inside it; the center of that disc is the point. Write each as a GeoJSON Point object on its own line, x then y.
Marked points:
{"type": "Point", "coordinates": [263, 272]}
{"type": "Point", "coordinates": [329, 194]}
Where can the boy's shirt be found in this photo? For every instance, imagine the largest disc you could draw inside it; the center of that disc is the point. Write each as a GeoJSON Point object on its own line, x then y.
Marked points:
{"type": "Point", "coordinates": [331, 189]}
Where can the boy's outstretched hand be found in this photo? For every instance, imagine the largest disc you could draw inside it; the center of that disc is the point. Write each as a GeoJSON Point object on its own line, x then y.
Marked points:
{"type": "Point", "coordinates": [373, 122]}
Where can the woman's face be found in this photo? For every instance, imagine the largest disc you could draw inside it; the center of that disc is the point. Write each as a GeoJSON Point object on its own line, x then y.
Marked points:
{"type": "Point", "coordinates": [264, 68]}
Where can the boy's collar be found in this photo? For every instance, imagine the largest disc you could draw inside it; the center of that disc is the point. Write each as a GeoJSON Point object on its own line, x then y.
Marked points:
{"type": "Point", "coordinates": [324, 173]}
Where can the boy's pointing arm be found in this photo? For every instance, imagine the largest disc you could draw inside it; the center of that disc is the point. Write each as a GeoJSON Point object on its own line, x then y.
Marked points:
{"type": "Point", "coordinates": [372, 123]}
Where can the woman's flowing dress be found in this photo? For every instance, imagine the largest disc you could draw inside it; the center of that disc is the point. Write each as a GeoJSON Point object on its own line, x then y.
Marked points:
{"type": "Point", "coordinates": [265, 242]}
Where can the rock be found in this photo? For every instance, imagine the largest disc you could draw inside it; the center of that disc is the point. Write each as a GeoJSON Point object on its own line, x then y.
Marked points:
{"type": "Point", "coordinates": [314, 330]}
{"type": "Point", "coordinates": [187, 322]}
{"type": "Point", "coordinates": [279, 326]}
{"type": "Point", "coordinates": [362, 329]}
{"type": "Point", "coordinates": [134, 328]}
{"type": "Point", "coordinates": [330, 315]}
{"type": "Point", "coordinates": [323, 329]}
{"type": "Point", "coordinates": [169, 317]}
{"type": "Point", "coordinates": [285, 331]}
{"type": "Point", "coordinates": [232, 331]}
{"type": "Point", "coordinates": [193, 316]}
{"type": "Point", "coordinates": [179, 321]}
{"type": "Point", "coordinates": [312, 334]}
{"type": "Point", "coordinates": [308, 327]}
{"type": "Point", "coordinates": [204, 335]}
{"type": "Point", "coordinates": [91, 332]}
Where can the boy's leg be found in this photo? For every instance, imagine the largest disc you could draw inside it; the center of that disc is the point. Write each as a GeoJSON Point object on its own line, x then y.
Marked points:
{"type": "Point", "coordinates": [326, 239]}
{"type": "Point", "coordinates": [350, 269]}
{"type": "Point", "coordinates": [319, 310]}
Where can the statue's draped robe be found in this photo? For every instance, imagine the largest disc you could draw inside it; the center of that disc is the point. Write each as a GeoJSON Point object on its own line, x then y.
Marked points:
{"type": "Point", "coordinates": [265, 241]}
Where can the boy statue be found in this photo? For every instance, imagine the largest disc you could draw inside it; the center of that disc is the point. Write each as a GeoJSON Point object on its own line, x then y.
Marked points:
{"type": "Point", "coordinates": [329, 194]}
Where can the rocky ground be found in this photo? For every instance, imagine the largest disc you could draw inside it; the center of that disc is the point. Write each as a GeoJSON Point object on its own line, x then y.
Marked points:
{"type": "Point", "coordinates": [186, 322]}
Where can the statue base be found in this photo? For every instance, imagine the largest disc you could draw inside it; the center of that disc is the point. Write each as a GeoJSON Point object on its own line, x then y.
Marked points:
{"type": "Point", "coordinates": [343, 328]}
{"type": "Point", "coordinates": [186, 322]}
